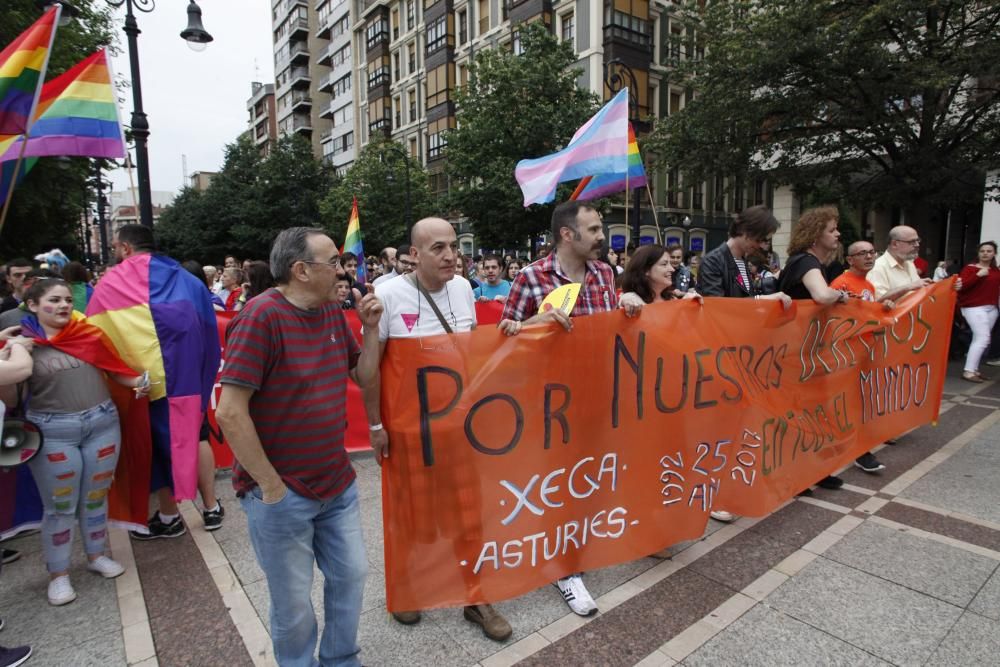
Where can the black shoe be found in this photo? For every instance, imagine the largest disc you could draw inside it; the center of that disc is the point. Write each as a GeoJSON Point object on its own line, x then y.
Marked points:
{"type": "Point", "coordinates": [213, 518]}
{"type": "Point", "coordinates": [890, 441]}
{"type": "Point", "coordinates": [10, 555]}
{"type": "Point", "coordinates": [830, 482]}
{"type": "Point", "coordinates": [869, 463]}
{"type": "Point", "coordinates": [159, 529]}
{"type": "Point", "coordinates": [14, 656]}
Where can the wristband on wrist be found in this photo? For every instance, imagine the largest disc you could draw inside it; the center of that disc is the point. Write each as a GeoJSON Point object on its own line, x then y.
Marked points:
{"type": "Point", "coordinates": [375, 427]}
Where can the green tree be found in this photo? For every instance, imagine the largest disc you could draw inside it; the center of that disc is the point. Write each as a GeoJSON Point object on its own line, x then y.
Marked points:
{"type": "Point", "coordinates": [378, 179]}
{"type": "Point", "coordinates": [891, 103]}
{"type": "Point", "coordinates": [514, 107]}
{"type": "Point", "coordinates": [46, 207]}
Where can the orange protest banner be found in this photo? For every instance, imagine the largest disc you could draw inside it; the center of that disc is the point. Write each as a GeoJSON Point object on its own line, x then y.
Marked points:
{"type": "Point", "coordinates": [515, 461]}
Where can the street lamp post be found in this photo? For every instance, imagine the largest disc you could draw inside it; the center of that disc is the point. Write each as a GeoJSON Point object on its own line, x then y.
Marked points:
{"type": "Point", "coordinates": [615, 72]}
{"type": "Point", "coordinates": [197, 38]}
{"type": "Point", "coordinates": [101, 202]}
{"type": "Point", "coordinates": [406, 163]}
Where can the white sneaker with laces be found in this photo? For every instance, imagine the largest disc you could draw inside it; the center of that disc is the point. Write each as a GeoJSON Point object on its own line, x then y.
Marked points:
{"type": "Point", "coordinates": [107, 568]}
{"type": "Point", "coordinates": [720, 515]}
{"type": "Point", "coordinates": [576, 595]}
{"type": "Point", "coordinates": [61, 591]}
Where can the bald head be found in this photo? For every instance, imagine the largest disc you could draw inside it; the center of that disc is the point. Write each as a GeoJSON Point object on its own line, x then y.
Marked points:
{"type": "Point", "coordinates": [435, 246]}
{"type": "Point", "coordinates": [904, 243]}
{"type": "Point", "coordinates": [901, 233]}
{"type": "Point", "coordinates": [861, 257]}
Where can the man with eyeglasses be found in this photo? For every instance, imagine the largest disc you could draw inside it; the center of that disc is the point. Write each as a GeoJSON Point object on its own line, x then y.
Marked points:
{"type": "Point", "coordinates": [432, 299]}
{"type": "Point", "coordinates": [860, 260]}
{"type": "Point", "coordinates": [894, 273]}
{"type": "Point", "coordinates": [402, 263]}
{"type": "Point", "coordinates": [17, 269]}
{"type": "Point", "coordinates": [283, 408]}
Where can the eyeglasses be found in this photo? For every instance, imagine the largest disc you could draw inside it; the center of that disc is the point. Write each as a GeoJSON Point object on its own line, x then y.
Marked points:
{"type": "Point", "coordinates": [863, 253]}
{"type": "Point", "coordinates": [910, 241]}
{"type": "Point", "coordinates": [333, 262]}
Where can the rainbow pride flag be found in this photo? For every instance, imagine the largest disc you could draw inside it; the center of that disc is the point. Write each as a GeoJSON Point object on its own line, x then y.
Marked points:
{"type": "Point", "coordinates": [77, 114]}
{"type": "Point", "coordinates": [7, 173]}
{"type": "Point", "coordinates": [160, 318]}
{"type": "Point", "coordinates": [352, 242]}
{"type": "Point", "coordinates": [602, 185]}
{"type": "Point", "coordinates": [599, 147]}
{"type": "Point", "coordinates": [22, 69]}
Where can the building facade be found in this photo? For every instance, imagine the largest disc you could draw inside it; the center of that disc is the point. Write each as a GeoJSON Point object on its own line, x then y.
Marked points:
{"type": "Point", "coordinates": [263, 123]}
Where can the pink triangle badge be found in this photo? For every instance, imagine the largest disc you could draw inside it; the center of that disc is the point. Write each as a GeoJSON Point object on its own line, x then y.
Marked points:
{"type": "Point", "coordinates": [409, 319]}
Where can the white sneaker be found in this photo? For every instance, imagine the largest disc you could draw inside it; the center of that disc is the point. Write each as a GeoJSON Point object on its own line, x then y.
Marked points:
{"type": "Point", "coordinates": [722, 516]}
{"type": "Point", "coordinates": [576, 595]}
{"type": "Point", "coordinates": [107, 568]}
{"type": "Point", "coordinates": [61, 591]}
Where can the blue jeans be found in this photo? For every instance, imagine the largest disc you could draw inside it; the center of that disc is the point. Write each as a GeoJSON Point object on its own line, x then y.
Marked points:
{"type": "Point", "coordinates": [288, 536]}
{"type": "Point", "coordinates": [73, 472]}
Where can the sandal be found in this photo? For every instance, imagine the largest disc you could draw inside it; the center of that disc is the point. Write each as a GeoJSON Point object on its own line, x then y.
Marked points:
{"type": "Point", "coordinates": [972, 376]}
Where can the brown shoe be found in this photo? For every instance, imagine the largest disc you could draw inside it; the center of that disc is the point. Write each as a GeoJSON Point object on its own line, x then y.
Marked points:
{"type": "Point", "coordinates": [494, 625]}
{"type": "Point", "coordinates": [971, 377]}
{"type": "Point", "coordinates": [407, 617]}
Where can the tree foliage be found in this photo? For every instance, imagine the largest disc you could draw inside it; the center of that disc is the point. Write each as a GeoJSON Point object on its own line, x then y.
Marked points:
{"type": "Point", "coordinates": [892, 103]}
{"type": "Point", "coordinates": [247, 204]}
{"type": "Point", "coordinates": [514, 107]}
{"type": "Point", "coordinates": [46, 207]}
{"type": "Point", "coordinates": [378, 179]}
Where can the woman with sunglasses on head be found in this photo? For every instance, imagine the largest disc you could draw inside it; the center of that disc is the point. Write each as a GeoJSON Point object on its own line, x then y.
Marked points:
{"type": "Point", "coordinates": [68, 399]}
{"type": "Point", "coordinates": [978, 298]}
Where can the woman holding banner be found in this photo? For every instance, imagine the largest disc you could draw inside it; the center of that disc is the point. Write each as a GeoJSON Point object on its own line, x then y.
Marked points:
{"type": "Point", "coordinates": [978, 300]}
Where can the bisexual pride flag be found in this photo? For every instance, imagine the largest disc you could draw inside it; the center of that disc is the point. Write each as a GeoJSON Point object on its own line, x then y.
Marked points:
{"type": "Point", "coordinates": [160, 318]}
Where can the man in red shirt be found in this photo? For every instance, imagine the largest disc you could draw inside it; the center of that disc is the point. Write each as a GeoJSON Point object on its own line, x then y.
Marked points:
{"type": "Point", "coordinates": [289, 353]}
{"type": "Point", "coordinates": [860, 260]}
{"type": "Point", "coordinates": [578, 234]}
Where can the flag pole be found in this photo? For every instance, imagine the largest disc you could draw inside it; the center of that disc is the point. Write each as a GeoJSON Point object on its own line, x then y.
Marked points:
{"type": "Point", "coordinates": [656, 219]}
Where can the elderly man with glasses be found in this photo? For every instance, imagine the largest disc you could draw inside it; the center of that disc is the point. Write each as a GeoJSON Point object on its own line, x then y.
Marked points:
{"type": "Point", "coordinates": [894, 273]}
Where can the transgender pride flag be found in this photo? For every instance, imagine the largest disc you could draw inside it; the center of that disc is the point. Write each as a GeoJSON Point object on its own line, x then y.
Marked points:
{"type": "Point", "coordinates": [599, 147]}
{"type": "Point", "coordinates": [160, 318]}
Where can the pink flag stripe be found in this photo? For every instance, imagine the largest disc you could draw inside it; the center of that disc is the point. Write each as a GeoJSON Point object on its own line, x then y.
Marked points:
{"type": "Point", "coordinates": [131, 290]}
{"type": "Point", "coordinates": [66, 145]}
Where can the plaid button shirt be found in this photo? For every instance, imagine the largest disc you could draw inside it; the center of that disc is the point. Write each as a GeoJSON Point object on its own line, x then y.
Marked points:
{"type": "Point", "coordinates": [536, 280]}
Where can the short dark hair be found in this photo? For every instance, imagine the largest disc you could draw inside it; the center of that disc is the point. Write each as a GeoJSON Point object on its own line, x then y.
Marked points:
{"type": "Point", "coordinates": [259, 277]}
{"type": "Point", "coordinates": [565, 214]}
{"type": "Point", "coordinates": [137, 236]}
{"type": "Point", "coordinates": [347, 257]}
{"type": "Point", "coordinates": [41, 287]}
{"type": "Point", "coordinates": [634, 278]}
{"type": "Point", "coordinates": [756, 222]}
{"type": "Point", "coordinates": [75, 272]}
{"type": "Point", "coordinates": [403, 250]}
{"type": "Point", "coordinates": [494, 257]}
{"type": "Point", "coordinates": [196, 270]}
{"type": "Point", "coordinates": [674, 246]}
{"type": "Point", "coordinates": [18, 262]}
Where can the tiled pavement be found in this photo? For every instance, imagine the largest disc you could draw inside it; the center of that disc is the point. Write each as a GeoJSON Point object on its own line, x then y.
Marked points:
{"type": "Point", "coordinates": [899, 568]}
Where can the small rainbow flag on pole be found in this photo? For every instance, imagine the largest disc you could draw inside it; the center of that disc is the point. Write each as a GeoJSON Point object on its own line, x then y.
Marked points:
{"type": "Point", "coordinates": [352, 242]}
{"type": "Point", "coordinates": [77, 115]}
{"type": "Point", "coordinates": [22, 70]}
{"type": "Point", "coordinates": [602, 185]}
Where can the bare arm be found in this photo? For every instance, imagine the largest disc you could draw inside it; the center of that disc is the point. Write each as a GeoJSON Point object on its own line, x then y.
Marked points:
{"type": "Point", "coordinates": [17, 367]}
{"type": "Point", "coordinates": [233, 415]}
{"type": "Point", "coordinates": [820, 292]}
{"type": "Point", "coordinates": [372, 395]}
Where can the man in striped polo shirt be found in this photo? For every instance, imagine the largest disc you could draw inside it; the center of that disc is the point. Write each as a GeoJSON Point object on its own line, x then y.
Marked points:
{"type": "Point", "coordinates": [289, 353]}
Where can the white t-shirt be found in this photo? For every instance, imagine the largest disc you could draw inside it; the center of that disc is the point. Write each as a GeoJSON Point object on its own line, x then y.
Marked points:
{"type": "Point", "coordinates": [385, 278]}
{"type": "Point", "coordinates": [407, 314]}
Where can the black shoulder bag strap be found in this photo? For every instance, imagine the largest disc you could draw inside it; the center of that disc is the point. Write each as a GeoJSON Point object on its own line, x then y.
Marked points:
{"type": "Point", "coordinates": [437, 311]}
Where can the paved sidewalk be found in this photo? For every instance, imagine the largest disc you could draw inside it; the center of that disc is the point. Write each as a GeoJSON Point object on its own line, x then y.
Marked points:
{"type": "Point", "coordinates": [899, 568]}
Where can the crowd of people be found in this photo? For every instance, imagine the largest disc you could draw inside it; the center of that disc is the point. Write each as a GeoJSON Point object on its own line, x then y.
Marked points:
{"type": "Point", "coordinates": [297, 488]}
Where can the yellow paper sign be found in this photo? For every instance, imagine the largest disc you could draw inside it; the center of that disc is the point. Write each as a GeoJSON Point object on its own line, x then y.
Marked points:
{"type": "Point", "coordinates": [563, 298]}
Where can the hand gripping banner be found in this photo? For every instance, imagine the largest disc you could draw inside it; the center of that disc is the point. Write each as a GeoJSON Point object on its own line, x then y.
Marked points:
{"type": "Point", "coordinates": [515, 461]}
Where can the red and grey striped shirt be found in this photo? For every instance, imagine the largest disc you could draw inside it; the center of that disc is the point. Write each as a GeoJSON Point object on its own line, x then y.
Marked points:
{"type": "Point", "coordinates": [297, 363]}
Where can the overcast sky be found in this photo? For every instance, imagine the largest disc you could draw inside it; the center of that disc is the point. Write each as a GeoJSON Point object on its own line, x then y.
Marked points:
{"type": "Point", "coordinates": [196, 102]}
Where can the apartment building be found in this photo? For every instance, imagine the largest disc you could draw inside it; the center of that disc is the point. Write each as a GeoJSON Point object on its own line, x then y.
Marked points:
{"type": "Point", "coordinates": [313, 58]}
{"type": "Point", "coordinates": [263, 122]}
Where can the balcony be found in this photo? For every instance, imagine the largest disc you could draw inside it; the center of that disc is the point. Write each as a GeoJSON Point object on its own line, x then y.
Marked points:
{"type": "Point", "coordinates": [298, 28]}
{"type": "Point", "coordinates": [298, 52]}
{"type": "Point", "coordinates": [301, 99]}
{"type": "Point", "coordinates": [299, 76]}
{"type": "Point", "coordinates": [323, 30]}
{"type": "Point", "coordinates": [326, 54]}
{"type": "Point", "coordinates": [383, 125]}
{"type": "Point", "coordinates": [326, 111]}
{"type": "Point", "coordinates": [301, 124]}
{"type": "Point", "coordinates": [326, 82]}
{"type": "Point", "coordinates": [292, 4]}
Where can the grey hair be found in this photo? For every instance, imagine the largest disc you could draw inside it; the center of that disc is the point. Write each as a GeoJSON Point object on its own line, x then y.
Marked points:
{"type": "Point", "coordinates": [290, 246]}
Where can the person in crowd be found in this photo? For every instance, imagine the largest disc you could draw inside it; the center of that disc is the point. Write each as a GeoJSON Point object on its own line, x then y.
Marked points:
{"type": "Point", "coordinates": [694, 264]}
{"type": "Point", "coordinates": [442, 301]}
{"type": "Point", "coordinates": [294, 479]}
{"type": "Point", "coordinates": [198, 271]}
{"type": "Point", "coordinates": [682, 279]}
{"type": "Point", "coordinates": [815, 239]}
{"type": "Point", "coordinates": [920, 264]}
{"type": "Point", "coordinates": [76, 275]}
{"type": "Point", "coordinates": [69, 401]}
{"type": "Point", "coordinates": [12, 317]}
{"type": "Point", "coordinates": [232, 285]}
{"type": "Point", "coordinates": [341, 294]}
{"type": "Point", "coordinates": [978, 300]}
{"type": "Point", "coordinates": [374, 268]}
{"type": "Point", "coordinates": [213, 513]}
{"type": "Point", "coordinates": [17, 270]}
{"type": "Point", "coordinates": [387, 260]}
{"type": "Point", "coordinates": [860, 258]}
{"type": "Point", "coordinates": [493, 287]}
{"type": "Point", "coordinates": [211, 277]}
{"type": "Point", "coordinates": [130, 244]}
{"type": "Point", "coordinates": [15, 367]}
{"type": "Point", "coordinates": [724, 270]}
{"type": "Point", "coordinates": [256, 280]}
{"type": "Point", "coordinates": [614, 259]}
{"type": "Point", "coordinates": [402, 264]}
{"type": "Point", "coordinates": [941, 271]}
{"type": "Point", "coordinates": [579, 240]}
{"type": "Point", "coordinates": [511, 270]}
{"type": "Point", "coordinates": [246, 265]}
{"type": "Point", "coordinates": [650, 277]}
{"type": "Point", "coordinates": [349, 261]}
{"type": "Point", "coordinates": [894, 273]}
{"type": "Point", "coordinates": [231, 262]}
